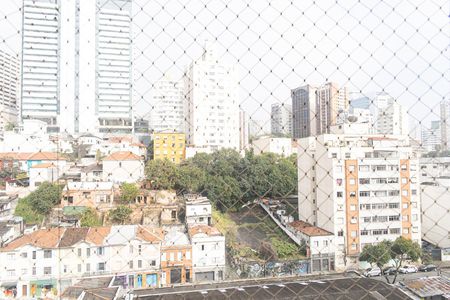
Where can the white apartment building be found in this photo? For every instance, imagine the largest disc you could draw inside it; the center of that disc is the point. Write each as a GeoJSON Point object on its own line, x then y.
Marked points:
{"type": "Point", "coordinates": [208, 253]}
{"type": "Point", "coordinates": [277, 145]}
{"type": "Point", "coordinates": [55, 258]}
{"type": "Point", "coordinates": [392, 120]}
{"type": "Point", "coordinates": [435, 171]}
{"type": "Point", "coordinates": [76, 71]}
{"type": "Point", "coordinates": [9, 88]}
{"type": "Point", "coordinates": [362, 188]}
{"type": "Point", "coordinates": [211, 103]}
{"type": "Point", "coordinates": [281, 119]}
{"type": "Point", "coordinates": [167, 110]}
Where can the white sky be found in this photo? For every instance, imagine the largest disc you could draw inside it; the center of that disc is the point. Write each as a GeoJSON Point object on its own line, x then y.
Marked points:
{"type": "Point", "coordinates": [400, 47]}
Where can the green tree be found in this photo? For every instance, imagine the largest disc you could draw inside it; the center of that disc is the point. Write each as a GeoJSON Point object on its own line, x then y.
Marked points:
{"type": "Point", "coordinates": [190, 178]}
{"type": "Point", "coordinates": [129, 192]}
{"type": "Point", "coordinates": [120, 215]}
{"type": "Point", "coordinates": [25, 210]}
{"type": "Point", "coordinates": [162, 174]}
{"type": "Point", "coordinates": [10, 126]}
{"type": "Point", "coordinates": [398, 251]}
{"type": "Point", "coordinates": [47, 196]}
{"type": "Point", "coordinates": [224, 192]}
{"type": "Point", "coordinates": [90, 218]}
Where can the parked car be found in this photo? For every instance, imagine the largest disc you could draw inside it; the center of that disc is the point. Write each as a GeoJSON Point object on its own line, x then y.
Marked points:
{"type": "Point", "coordinates": [427, 268]}
{"type": "Point", "coordinates": [389, 271]}
{"type": "Point", "coordinates": [370, 272]}
{"type": "Point", "coordinates": [407, 269]}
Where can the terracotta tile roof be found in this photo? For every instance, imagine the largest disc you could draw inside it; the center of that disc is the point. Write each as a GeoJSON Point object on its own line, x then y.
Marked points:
{"type": "Point", "coordinates": [97, 235]}
{"type": "Point", "coordinates": [72, 236]}
{"type": "Point", "coordinates": [43, 166]}
{"type": "Point", "coordinates": [149, 234]}
{"type": "Point", "coordinates": [309, 229]}
{"type": "Point", "coordinates": [15, 155]}
{"type": "Point", "coordinates": [42, 238]}
{"type": "Point", "coordinates": [122, 155]}
{"type": "Point", "coordinates": [208, 230]}
{"type": "Point", "coordinates": [46, 156]}
{"type": "Point", "coordinates": [140, 145]}
{"type": "Point", "coordinates": [120, 139]}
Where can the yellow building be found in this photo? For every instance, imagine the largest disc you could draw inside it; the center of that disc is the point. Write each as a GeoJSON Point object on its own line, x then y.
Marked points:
{"type": "Point", "coordinates": [169, 145]}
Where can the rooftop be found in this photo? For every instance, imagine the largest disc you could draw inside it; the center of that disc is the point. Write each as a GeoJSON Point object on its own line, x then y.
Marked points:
{"type": "Point", "coordinates": [204, 229]}
{"type": "Point", "coordinates": [429, 286]}
{"type": "Point", "coordinates": [88, 186]}
{"type": "Point", "coordinates": [43, 166]}
{"type": "Point", "coordinates": [308, 229]}
{"type": "Point", "coordinates": [122, 155]}
{"type": "Point", "coordinates": [174, 237]}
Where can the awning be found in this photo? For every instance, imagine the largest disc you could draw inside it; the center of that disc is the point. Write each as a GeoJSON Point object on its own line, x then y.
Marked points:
{"type": "Point", "coordinates": [9, 285]}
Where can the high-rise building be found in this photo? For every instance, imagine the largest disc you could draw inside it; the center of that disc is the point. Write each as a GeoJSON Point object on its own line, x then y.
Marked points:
{"type": "Point", "coordinates": [331, 101]}
{"type": "Point", "coordinates": [76, 65]}
{"type": "Point", "coordinates": [167, 111]}
{"type": "Point", "coordinates": [393, 119]}
{"type": "Point", "coordinates": [304, 114]}
{"type": "Point", "coordinates": [9, 88]}
{"type": "Point", "coordinates": [431, 137]}
{"type": "Point", "coordinates": [211, 103]}
{"type": "Point", "coordinates": [445, 125]}
{"type": "Point", "coordinates": [281, 119]}
{"type": "Point", "coordinates": [374, 104]}
{"type": "Point", "coordinates": [244, 130]}
{"type": "Point", "coordinates": [362, 188]}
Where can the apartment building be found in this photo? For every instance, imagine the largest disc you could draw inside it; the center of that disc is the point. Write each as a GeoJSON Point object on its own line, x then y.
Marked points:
{"type": "Point", "coordinates": [51, 259]}
{"type": "Point", "coordinates": [9, 88]}
{"type": "Point", "coordinates": [123, 166]}
{"type": "Point", "coordinates": [211, 102]}
{"type": "Point", "coordinates": [431, 137]}
{"type": "Point", "coordinates": [171, 146]}
{"type": "Point", "coordinates": [281, 119]}
{"type": "Point", "coordinates": [278, 145]}
{"type": "Point", "coordinates": [362, 188]}
{"type": "Point", "coordinates": [445, 124]}
{"type": "Point", "coordinates": [76, 65]}
{"type": "Point", "coordinates": [198, 210]}
{"type": "Point", "coordinates": [176, 257]}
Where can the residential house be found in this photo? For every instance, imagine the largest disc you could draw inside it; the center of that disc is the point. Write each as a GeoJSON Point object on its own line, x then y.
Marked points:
{"type": "Point", "coordinates": [8, 205]}
{"type": "Point", "coordinates": [47, 260]}
{"type": "Point", "coordinates": [120, 167]}
{"type": "Point", "coordinates": [198, 210]}
{"type": "Point", "coordinates": [319, 244]}
{"type": "Point", "coordinates": [208, 253]}
{"type": "Point", "coordinates": [44, 172]}
{"type": "Point", "coordinates": [89, 194]}
{"type": "Point", "coordinates": [176, 257]}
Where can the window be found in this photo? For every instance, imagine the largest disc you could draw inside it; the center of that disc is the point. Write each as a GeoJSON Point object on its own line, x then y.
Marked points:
{"type": "Point", "coordinates": [33, 254]}
{"type": "Point", "coordinates": [24, 271]}
{"type": "Point", "coordinates": [316, 244]}
{"type": "Point", "coordinates": [101, 266]}
{"type": "Point", "coordinates": [130, 250]}
{"type": "Point", "coordinates": [352, 181]}
{"type": "Point", "coordinates": [139, 263]}
{"type": "Point", "coordinates": [403, 167]}
{"type": "Point", "coordinates": [47, 253]}
{"type": "Point", "coordinates": [325, 243]}
{"type": "Point", "coordinates": [364, 168]}
{"type": "Point", "coordinates": [101, 250]}
{"type": "Point", "coordinates": [394, 193]}
{"type": "Point", "coordinates": [152, 263]}
{"type": "Point", "coordinates": [172, 257]}
{"type": "Point", "coordinates": [79, 251]}
{"type": "Point", "coordinates": [364, 194]}
{"type": "Point", "coordinates": [364, 232]}
{"type": "Point", "coordinates": [203, 247]}
{"type": "Point", "coordinates": [353, 234]}
{"type": "Point", "coordinates": [47, 270]}
{"type": "Point", "coordinates": [394, 230]}
{"type": "Point", "coordinates": [404, 180]}
{"type": "Point", "coordinates": [353, 220]}
{"type": "Point", "coordinates": [415, 229]}
{"type": "Point", "coordinates": [11, 256]}
{"type": "Point", "coordinates": [413, 192]}
{"type": "Point", "coordinates": [347, 155]}
{"type": "Point", "coordinates": [340, 221]}
{"type": "Point", "coordinates": [394, 205]}
{"type": "Point", "coordinates": [88, 252]}
{"type": "Point", "coordinates": [33, 271]}
{"type": "Point", "coordinates": [351, 168]}
{"type": "Point", "coordinates": [188, 254]}
{"type": "Point", "coordinates": [334, 155]}
{"type": "Point", "coordinates": [339, 194]}
{"type": "Point", "coordinates": [353, 247]}
{"type": "Point", "coordinates": [140, 249]}
{"type": "Point", "coordinates": [405, 218]}
{"type": "Point", "coordinates": [394, 218]}
{"type": "Point", "coordinates": [366, 219]}
{"type": "Point", "coordinates": [163, 257]}
{"type": "Point", "coordinates": [24, 254]}
{"type": "Point", "coordinates": [405, 205]}
{"type": "Point", "coordinates": [341, 233]}
{"type": "Point", "coordinates": [352, 194]}
{"type": "Point", "coordinates": [414, 217]}
{"type": "Point", "coordinates": [79, 268]}
{"type": "Point", "coordinates": [88, 267]}
{"type": "Point", "coordinates": [352, 207]}
{"type": "Point", "coordinates": [364, 181]}
{"type": "Point", "coordinates": [405, 230]}
{"type": "Point", "coordinates": [180, 256]}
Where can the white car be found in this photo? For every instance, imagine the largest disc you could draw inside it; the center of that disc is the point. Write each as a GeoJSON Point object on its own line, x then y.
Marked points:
{"type": "Point", "coordinates": [370, 272]}
{"type": "Point", "coordinates": [407, 269]}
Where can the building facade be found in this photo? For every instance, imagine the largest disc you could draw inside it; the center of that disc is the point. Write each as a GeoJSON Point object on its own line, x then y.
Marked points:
{"type": "Point", "coordinates": [431, 137]}
{"type": "Point", "coordinates": [9, 89]}
{"type": "Point", "coordinates": [278, 145]}
{"type": "Point", "coordinates": [123, 166]}
{"type": "Point", "coordinates": [304, 114]}
{"type": "Point", "coordinates": [167, 111]}
{"type": "Point", "coordinates": [211, 103]}
{"type": "Point", "coordinates": [331, 100]}
{"type": "Point", "coordinates": [79, 77]}
{"type": "Point", "coordinates": [392, 119]}
{"type": "Point", "coordinates": [281, 119]}
{"type": "Point", "coordinates": [363, 189]}
{"type": "Point", "coordinates": [171, 146]}
{"type": "Point", "coordinates": [244, 130]}
{"type": "Point", "coordinates": [445, 124]}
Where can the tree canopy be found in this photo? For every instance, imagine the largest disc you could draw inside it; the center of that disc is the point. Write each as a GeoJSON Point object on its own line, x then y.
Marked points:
{"type": "Point", "coordinates": [121, 214]}
{"type": "Point", "coordinates": [396, 251]}
{"type": "Point", "coordinates": [128, 192]}
{"type": "Point", "coordinates": [226, 177]}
